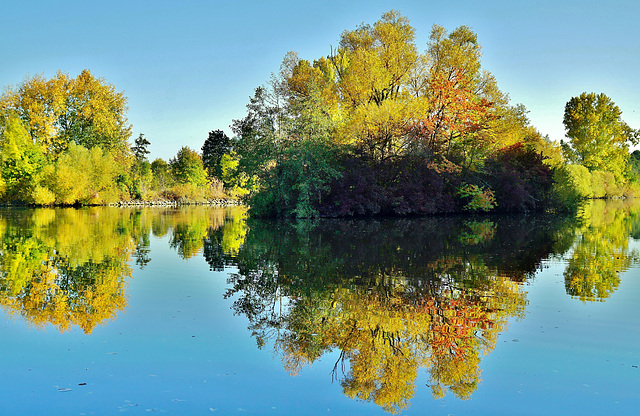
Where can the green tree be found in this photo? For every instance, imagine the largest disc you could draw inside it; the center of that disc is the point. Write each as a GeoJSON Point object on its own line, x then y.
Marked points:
{"type": "Point", "coordinates": [216, 145]}
{"type": "Point", "coordinates": [141, 174]}
{"type": "Point", "coordinates": [161, 172]}
{"type": "Point", "coordinates": [140, 150]}
{"type": "Point", "coordinates": [20, 161]}
{"type": "Point", "coordinates": [598, 137]}
{"type": "Point", "coordinates": [187, 167]}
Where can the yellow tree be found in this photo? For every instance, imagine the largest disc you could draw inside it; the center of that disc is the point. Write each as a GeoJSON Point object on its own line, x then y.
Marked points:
{"type": "Point", "coordinates": [85, 110]}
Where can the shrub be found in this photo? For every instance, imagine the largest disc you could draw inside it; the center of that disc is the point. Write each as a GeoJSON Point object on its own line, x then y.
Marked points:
{"type": "Point", "coordinates": [572, 184]}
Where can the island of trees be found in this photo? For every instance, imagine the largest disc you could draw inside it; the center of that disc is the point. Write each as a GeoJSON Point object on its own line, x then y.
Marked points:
{"type": "Point", "coordinates": [375, 127]}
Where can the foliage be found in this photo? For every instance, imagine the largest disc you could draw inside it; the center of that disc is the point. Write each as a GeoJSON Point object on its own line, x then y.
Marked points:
{"type": "Point", "coordinates": [398, 187]}
{"type": "Point", "coordinates": [520, 179]}
{"type": "Point", "coordinates": [20, 161]}
{"type": "Point", "coordinates": [82, 176]}
{"type": "Point", "coordinates": [235, 181]}
{"type": "Point", "coordinates": [572, 184]}
{"type": "Point", "coordinates": [599, 139]}
{"type": "Point", "coordinates": [299, 184]}
{"type": "Point", "coordinates": [480, 199]}
{"type": "Point", "coordinates": [84, 110]}
{"type": "Point", "coordinates": [214, 148]}
{"type": "Point", "coordinates": [187, 168]}
{"type": "Point", "coordinates": [162, 178]}
{"type": "Point", "coordinates": [376, 103]}
{"type": "Point", "coordinates": [139, 149]}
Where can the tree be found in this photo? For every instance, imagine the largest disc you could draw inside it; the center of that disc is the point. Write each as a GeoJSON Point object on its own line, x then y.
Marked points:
{"type": "Point", "coordinates": [86, 110]}
{"type": "Point", "coordinates": [82, 176]}
{"type": "Point", "coordinates": [161, 171]}
{"type": "Point", "coordinates": [375, 102]}
{"type": "Point", "coordinates": [20, 160]}
{"type": "Point", "coordinates": [599, 138]}
{"type": "Point", "coordinates": [216, 145]}
{"type": "Point", "coordinates": [187, 167]}
{"type": "Point", "coordinates": [140, 148]}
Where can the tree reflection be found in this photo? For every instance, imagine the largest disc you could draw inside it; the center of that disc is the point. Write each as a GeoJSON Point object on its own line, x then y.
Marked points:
{"type": "Point", "coordinates": [64, 267]}
{"type": "Point", "coordinates": [70, 267]}
{"type": "Point", "coordinates": [393, 296]}
{"type": "Point", "coordinates": [601, 251]}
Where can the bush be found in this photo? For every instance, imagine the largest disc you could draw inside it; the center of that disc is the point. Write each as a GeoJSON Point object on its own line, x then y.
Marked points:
{"type": "Point", "coordinates": [572, 184]}
{"type": "Point", "coordinates": [79, 176]}
{"type": "Point", "coordinates": [520, 179]}
{"type": "Point", "coordinates": [392, 187]}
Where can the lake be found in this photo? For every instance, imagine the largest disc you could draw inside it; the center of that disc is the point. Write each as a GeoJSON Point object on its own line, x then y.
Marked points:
{"type": "Point", "coordinates": [202, 310]}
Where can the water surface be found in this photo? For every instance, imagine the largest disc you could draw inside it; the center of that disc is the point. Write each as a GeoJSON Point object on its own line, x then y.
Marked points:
{"type": "Point", "coordinates": [203, 311]}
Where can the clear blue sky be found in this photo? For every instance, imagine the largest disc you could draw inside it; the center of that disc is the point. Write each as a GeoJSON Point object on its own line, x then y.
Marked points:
{"type": "Point", "coordinates": [189, 67]}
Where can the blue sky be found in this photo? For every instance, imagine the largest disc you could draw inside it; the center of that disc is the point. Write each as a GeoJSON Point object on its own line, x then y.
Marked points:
{"type": "Point", "coordinates": [189, 67]}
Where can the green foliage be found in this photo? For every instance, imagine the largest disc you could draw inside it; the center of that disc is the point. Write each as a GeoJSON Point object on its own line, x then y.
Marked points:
{"type": "Point", "coordinates": [377, 99]}
{"type": "Point", "coordinates": [162, 178]}
{"type": "Point", "coordinates": [480, 198]}
{"type": "Point", "coordinates": [82, 176]}
{"type": "Point", "coordinates": [599, 139]}
{"type": "Point", "coordinates": [187, 168]}
{"type": "Point", "coordinates": [20, 161]}
{"type": "Point", "coordinates": [235, 182]}
{"type": "Point", "coordinates": [572, 185]}
{"type": "Point", "coordinates": [142, 178]}
{"type": "Point", "coordinates": [634, 161]}
{"type": "Point", "coordinates": [297, 186]}
{"type": "Point", "coordinates": [214, 148]}
{"type": "Point", "coordinates": [139, 149]}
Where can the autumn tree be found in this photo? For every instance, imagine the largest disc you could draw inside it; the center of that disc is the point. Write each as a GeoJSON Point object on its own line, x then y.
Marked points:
{"type": "Point", "coordinates": [85, 110]}
{"type": "Point", "coordinates": [377, 103]}
{"type": "Point", "coordinates": [21, 161]}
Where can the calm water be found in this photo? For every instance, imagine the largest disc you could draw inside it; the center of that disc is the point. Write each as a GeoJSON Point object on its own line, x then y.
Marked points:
{"type": "Point", "coordinates": [203, 311]}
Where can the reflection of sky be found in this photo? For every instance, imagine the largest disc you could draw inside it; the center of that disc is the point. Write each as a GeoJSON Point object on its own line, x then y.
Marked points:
{"type": "Point", "coordinates": [178, 348]}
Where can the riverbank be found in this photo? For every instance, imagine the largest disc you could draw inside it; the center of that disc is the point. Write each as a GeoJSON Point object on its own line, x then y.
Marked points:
{"type": "Point", "coordinates": [142, 203]}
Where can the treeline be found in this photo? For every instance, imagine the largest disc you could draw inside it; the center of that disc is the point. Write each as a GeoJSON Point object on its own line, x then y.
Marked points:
{"type": "Point", "coordinates": [376, 127]}
{"type": "Point", "coordinates": [65, 141]}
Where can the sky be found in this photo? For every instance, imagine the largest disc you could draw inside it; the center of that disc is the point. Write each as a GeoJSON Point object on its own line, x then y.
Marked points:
{"type": "Point", "coordinates": [189, 67]}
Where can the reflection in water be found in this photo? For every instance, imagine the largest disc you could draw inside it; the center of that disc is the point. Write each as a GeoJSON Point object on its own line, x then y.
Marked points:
{"type": "Point", "coordinates": [601, 251]}
{"type": "Point", "coordinates": [392, 296]}
{"type": "Point", "coordinates": [69, 267]}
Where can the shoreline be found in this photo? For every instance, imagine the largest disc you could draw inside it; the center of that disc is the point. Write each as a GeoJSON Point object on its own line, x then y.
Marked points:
{"type": "Point", "coordinates": [133, 203]}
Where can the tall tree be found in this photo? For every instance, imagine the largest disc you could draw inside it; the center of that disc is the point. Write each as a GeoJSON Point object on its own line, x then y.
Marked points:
{"type": "Point", "coordinates": [214, 147]}
{"type": "Point", "coordinates": [140, 150]}
{"type": "Point", "coordinates": [598, 137]}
